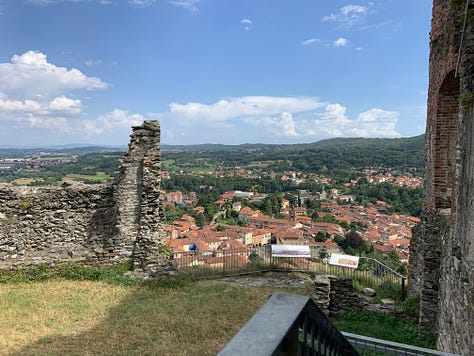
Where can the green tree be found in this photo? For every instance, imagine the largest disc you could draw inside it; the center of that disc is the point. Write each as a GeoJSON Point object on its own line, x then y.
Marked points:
{"type": "Point", "coordinates": [200, 220]}
{"type": "Point", "coordinates": [211, 210]}
{"type": "Point", "coordinates": [321, 236]}
{"type": "Point", "coordinates": [353, 243]}
{"type": "Point", "coordinates": [268, 208]}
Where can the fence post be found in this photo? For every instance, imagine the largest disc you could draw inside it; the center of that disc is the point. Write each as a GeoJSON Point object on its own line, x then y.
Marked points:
{"type": "Point", "coordinates": [404, 292]}
{"type": "Point", "coordinates": [269, 249]}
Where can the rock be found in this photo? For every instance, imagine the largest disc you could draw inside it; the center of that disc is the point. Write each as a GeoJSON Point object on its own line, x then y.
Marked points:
{"type": "Point", "coordinates": [369, 292]}
{"type": "Point", "coordinates": [388, 302]}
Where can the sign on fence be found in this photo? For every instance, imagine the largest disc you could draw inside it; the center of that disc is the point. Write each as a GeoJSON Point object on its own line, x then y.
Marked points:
{"type": "Point", "coordinates": [290, 251]}
{"type": "Point", "coordinates": [344, 260]}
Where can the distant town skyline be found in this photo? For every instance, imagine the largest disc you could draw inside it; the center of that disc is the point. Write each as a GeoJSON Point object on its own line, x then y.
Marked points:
{"type": "Point", "coordinates": [212, 71]}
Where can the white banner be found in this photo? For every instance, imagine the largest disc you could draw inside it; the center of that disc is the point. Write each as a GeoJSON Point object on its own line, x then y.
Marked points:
{"type": "Point", "coordinates": [344, 260]}
{"type": "Point", "coordinates": [291, 251]}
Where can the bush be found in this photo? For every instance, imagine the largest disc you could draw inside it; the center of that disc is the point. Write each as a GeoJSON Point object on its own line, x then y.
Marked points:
{"type": "Point", "coordinates": [412, 307]}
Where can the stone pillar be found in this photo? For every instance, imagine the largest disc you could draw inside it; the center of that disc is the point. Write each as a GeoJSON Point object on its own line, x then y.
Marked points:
{"type": "Point", "coordinates": [322, 288]}
{"type": "Point", "coordinates": [425, 269]}
{"type": "Point", "coordinates": [342, 295]}
{"type": "Point", "coordinates": [140, 213]}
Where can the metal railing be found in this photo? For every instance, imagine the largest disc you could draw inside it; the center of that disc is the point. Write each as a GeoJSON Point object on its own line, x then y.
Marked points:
{"type": "Point", "coordinates": [289, 324]}
{"type": "Point", "coordinates": [371, 346]}
{"type": "Point", "coordinates": [370, 273]}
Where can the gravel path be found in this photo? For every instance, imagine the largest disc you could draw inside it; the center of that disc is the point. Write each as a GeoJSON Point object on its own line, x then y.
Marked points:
{"type": "Point", "coordinates": [275, 279]}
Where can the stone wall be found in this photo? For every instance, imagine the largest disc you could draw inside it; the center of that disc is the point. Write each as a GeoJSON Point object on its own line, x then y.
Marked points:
{"type": "Point", "coordinates": [335, 294]}
{"type": "Point", "coordinates": [442, 262]}
{"type": "Point", "coordinates": [93, 225]}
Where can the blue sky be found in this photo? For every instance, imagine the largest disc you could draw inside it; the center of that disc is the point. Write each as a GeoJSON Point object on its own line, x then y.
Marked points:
{"type": "Point", "coordinates": [212, 71]}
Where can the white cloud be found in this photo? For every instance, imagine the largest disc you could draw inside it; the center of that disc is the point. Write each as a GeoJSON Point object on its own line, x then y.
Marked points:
{"type": "Point", "coordinates": [65, 105]}
{"type": "Point", "coordinates": [30, 75]}
{"type": "Point", "coordinates": [359, 49]}
{"type": "Point", "coordinates": [348, 15]}
{"type": "Point", "coordinates": [248, 106]}
{"type": "Point", "coordinates": [334, 123]}
{"type": "Point", "coordinates": [52, 2]}
{"type": "Point", "coordinates": [119, 118]}
{"type": "Point", "coordinates": [376, 123]}
{"type": "Point", "coordinates": [51, 123]}
{"type": "Point", "coordinates": [335, 112]}
{"type": "Point", "coordinates": [291, 117]}
{"type": "Point", "coordinates": [284, 125]}
{"type": "Point", "coordinates": [142, 3]}
{"type": "Point", "coordinates": [186, 4]}
{"type": "Point", "coordinates": [33, 94]}
{"type": "Point", "coordinates": [92, 62]}
{"type": "Point", "coordinates": [247, 23]}
{"type": "Point", "coordinates": [373, 115]}
{"type": "Point", "coordinates": [331, 122]}
{"type": "Point", "coordinates": [353, 10]}
{"type": "Point", "coordinates": [19, 106]}
{"type": "Point", "coordinates": [310, 41]}
{"type": "Point", "coordinates": [341, 42]}
{"type": "Point", "coordinates": [112, 121]}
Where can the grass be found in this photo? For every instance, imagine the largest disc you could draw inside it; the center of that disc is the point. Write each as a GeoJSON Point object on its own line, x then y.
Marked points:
{"type": "Point", "coordinates": [98, 177]}
{"type": "Point", "coordinates": [84, 311]}
{"type": "Point", "coordinates": [80, 311]}
{"type": "Point", "coordinates": [89, 318]}
{"type": "Point", "coordinates": [23, 181]}
{"type": "Point", "coordinates": [382, 326]}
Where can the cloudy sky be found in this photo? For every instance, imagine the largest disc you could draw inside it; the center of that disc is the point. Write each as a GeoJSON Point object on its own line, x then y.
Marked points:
{"type": "Point", "coordinates": [212, 71]}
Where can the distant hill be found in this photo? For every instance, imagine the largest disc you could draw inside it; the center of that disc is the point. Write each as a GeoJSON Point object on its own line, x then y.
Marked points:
{"type": "Point", "coordinates": [331, 154]}
{"type": "Point", "coordinates": [67, 149]}
{"type": "Point", "coordinates": [326, 155]}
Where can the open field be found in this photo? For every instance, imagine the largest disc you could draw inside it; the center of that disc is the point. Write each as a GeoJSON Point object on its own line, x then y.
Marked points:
{"type": "Point", "coordinates": [98, 177]}
{"type": "Point", "coordinates": [24, 181]}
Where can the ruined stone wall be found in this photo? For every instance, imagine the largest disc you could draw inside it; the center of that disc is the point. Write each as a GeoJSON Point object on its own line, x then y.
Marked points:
{"type": "Point", "coordinates": [442, 264]}
{"type": "Point", "coordinates": [140, 211]}
{"type": "Point", "coordinates": [56, 224]}
{"type": "Point", "coordinates": [334, 294]}
{"type": "Point", "coordinates": [93, 225]}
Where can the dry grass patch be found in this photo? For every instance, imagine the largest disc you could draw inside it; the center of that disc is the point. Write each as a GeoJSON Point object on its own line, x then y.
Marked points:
{"type": "Point", "coordinates": [95, 318]}
{"type": "Point", "coordinates": [31, 311]}
{"type": "Point", "coordinates": [24, 181]}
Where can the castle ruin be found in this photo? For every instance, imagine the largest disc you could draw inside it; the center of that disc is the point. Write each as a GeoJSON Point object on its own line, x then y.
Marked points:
{"type": "Point", "coordinates": [442, 262]}
{"type": "Point", "coordinates": [91, 225]}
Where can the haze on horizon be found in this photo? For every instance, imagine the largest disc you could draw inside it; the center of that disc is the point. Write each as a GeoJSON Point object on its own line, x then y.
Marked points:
{"type": "Point", "coordinates": [212, 71]}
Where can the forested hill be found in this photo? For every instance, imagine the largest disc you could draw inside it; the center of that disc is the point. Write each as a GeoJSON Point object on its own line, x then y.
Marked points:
{"type": "Point", "coordinates": [331, 154]}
